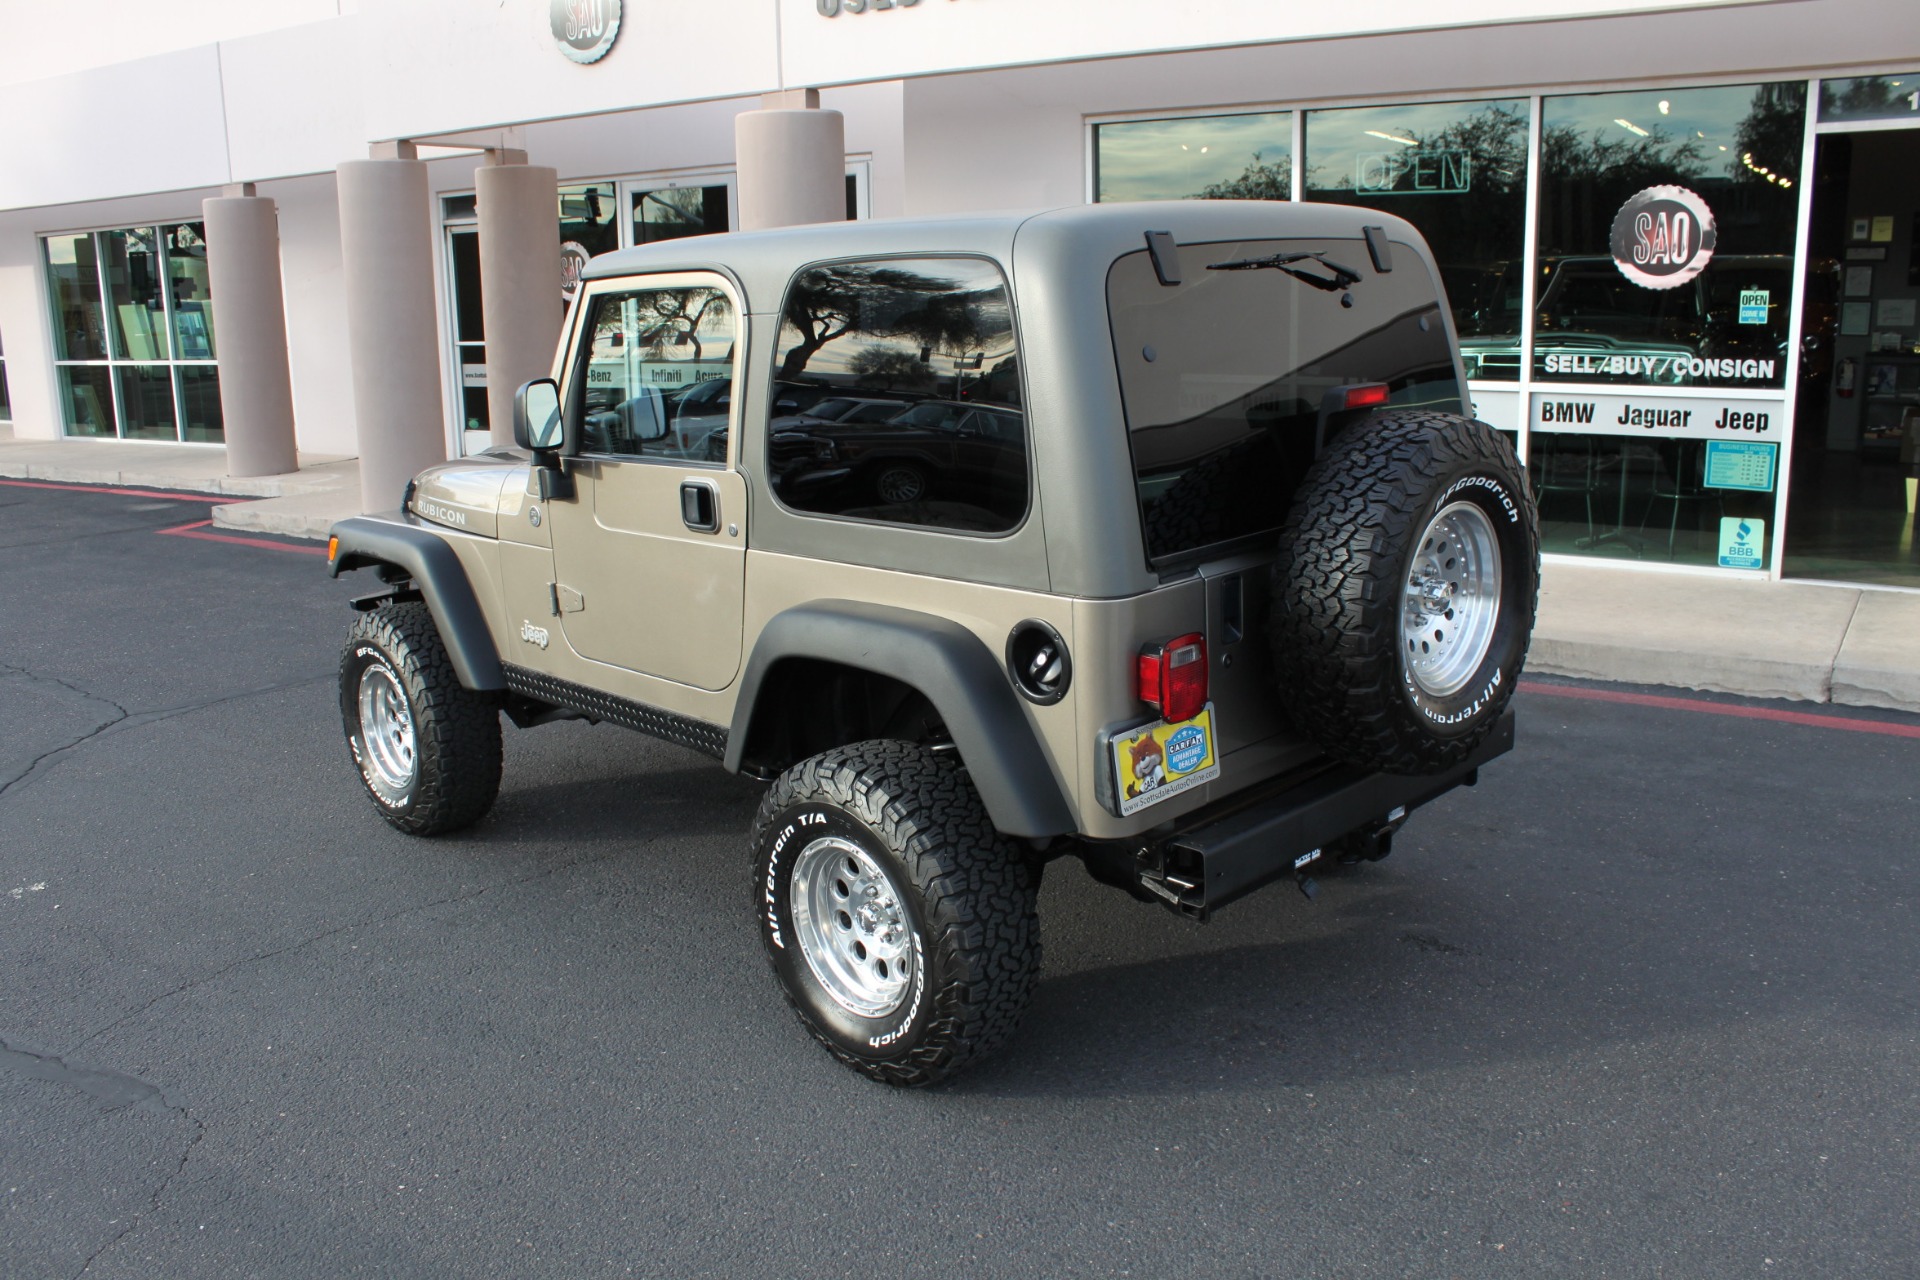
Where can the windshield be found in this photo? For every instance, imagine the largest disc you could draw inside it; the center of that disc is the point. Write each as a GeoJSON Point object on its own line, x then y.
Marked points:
{"type": "Point", "coordinates": [1223, 376]}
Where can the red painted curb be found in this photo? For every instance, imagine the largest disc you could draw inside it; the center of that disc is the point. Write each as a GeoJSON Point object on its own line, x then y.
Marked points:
{"type": "Point", "coordinates": [214, 498]}
{"type": "Point", "coordinates": [198, 530]}
{"type": "Point", "coordinates": [1722, 709]}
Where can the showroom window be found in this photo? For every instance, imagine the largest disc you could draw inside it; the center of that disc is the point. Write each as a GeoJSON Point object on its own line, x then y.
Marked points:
{"type": "Point", "coordinates": [897, 396]}
{"type": "Point", "coordinates": [1666, 240]}
{"type": "Point", "coordinates": [1458, 172]}
{"type": "Point", "coordinates": [1736, 150]}
{"type": "Point", "coordinates": [1226, 157]}
{"type": "Point", "coordinates": [134, 348]}
{"type": "Point", "coordinates": [1871, 98]}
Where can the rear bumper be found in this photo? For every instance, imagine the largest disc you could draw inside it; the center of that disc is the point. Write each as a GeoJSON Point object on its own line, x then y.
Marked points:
{"type": "Point", "coordinates": [1286, 827]}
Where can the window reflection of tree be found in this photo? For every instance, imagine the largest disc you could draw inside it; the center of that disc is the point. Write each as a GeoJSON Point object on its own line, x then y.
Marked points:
{"type": "Point", "coordinates": [903, 329]}
{"type": "Point", "coordinates": [1262, 179]}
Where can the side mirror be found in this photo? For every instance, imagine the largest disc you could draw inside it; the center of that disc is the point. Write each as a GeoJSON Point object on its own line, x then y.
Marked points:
{"type": "Point", "coordinates": [645, 415]}
{"type": "Point", "coordinates": [536, 416]}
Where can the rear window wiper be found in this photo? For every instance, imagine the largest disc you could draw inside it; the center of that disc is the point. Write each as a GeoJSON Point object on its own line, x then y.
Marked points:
{"type": "Point", "coordinates": [1341, 278]}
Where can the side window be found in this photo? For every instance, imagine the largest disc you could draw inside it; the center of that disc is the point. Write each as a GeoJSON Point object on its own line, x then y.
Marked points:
{"type": "Point", "coordinates": [901, 382]}
{"type": "Point", "coordinates": [659, 374]}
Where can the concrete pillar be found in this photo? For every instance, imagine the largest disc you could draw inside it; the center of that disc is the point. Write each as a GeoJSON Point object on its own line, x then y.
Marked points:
{"type": "Point", "coordinates": [393, 336]}
{"type": "Point", "coordinates": [250, 328]}
{"type": "Point", "coordinates": [519, 278]}
{"type": "Point", "coordinates": [791, 161]}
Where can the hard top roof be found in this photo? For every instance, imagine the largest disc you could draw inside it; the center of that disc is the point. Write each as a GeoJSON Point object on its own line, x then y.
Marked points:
{"type": "Point", "coordinates": [764, 260]}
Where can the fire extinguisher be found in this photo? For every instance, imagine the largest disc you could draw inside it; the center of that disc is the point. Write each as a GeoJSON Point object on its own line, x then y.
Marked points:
{"type": "Point", "coordinates": [1843, 382]}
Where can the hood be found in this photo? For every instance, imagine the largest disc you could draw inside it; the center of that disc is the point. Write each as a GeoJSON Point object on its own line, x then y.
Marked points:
{"type": "Point", "coordinates": [463, 494]}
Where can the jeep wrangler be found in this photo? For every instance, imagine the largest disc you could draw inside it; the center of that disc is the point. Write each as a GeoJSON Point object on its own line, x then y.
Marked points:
{"type": "Point", "coordinates": [1153, 535]}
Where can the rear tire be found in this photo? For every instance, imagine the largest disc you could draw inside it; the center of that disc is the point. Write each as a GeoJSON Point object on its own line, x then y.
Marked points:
{"type": "Point", "coordinates": [1404, 592]}
{"type": "Point", "coordinates": [902, 927]}
{"type": "Point", "coordinates": [426, 746]}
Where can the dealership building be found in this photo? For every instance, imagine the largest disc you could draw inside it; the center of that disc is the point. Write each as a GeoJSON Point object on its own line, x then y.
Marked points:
{"type": "Point", "coordinates": [1680, 238]}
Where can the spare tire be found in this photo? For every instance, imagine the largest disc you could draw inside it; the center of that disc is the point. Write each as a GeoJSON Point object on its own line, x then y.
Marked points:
{"type": "Point", "coordinates": [1404, 591]}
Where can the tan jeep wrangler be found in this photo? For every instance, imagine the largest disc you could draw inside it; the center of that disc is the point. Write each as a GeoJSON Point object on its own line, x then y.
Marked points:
{"type": "Point", "coordinates": [1147, 534]}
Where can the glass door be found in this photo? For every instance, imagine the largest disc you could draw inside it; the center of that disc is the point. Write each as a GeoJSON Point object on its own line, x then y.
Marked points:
{"type": "Point", "coordinates": [1855, 465]}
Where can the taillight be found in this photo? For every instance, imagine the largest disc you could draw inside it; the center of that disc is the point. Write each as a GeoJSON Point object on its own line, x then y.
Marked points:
{"type": "Point", "coordinates": [1173, 677]}
{"type": "Point", "coordinates": [1364, 395]}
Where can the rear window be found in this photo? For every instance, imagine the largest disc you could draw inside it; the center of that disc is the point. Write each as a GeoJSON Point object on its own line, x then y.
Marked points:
{"type": "Point", "coordinates": [1223, 375]}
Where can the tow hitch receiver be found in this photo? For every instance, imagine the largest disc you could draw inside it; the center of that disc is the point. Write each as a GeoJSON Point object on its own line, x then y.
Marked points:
{"type": "Point", "coordinates": [1298, 825]}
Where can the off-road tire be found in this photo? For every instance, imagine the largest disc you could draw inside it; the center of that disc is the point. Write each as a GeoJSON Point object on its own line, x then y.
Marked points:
{"type": "Point", "coordinates": [1346, 550]}
{"type": "Point", "coordinates": [969, 896]}
{"type": "Point", "coordinates": [456, 731]}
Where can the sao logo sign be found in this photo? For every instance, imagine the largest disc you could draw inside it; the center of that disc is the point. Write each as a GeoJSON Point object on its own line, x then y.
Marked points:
{"type": "Point", "coordinates": [1663, 237]}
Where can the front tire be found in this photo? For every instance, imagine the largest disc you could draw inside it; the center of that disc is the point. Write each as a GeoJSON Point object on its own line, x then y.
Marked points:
{"type": "Point", "coordinates": [426, 746]}
{"type": "Point", "coordinates": [902, 927]}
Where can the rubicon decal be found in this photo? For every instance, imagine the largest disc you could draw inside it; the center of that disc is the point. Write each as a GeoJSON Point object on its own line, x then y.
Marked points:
{"type": "Point", "coordinates": [1663, 237]}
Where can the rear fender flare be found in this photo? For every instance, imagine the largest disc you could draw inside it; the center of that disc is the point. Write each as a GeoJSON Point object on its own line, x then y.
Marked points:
{"type": "Point", "coordinates": [952, 669]}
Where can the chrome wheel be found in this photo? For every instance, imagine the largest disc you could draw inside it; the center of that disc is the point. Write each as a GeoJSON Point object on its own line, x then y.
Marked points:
{"type": "Point", "coordinates": [387, 752]}
{"type": "Point", "coordinates": [852, 927]}
{"type": "Point", "coordinates": [1451, 601]}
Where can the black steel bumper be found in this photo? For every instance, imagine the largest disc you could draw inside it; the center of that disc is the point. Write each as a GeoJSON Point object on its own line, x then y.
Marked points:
{"type": "Point", "coordinates": [1292, 824]}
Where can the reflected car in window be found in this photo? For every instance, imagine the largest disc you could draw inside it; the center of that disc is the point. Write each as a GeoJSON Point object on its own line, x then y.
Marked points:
{"type": "Point", "coordinates": [1593, 324]}
{"type": "Point", "coordinates": [970, 457]}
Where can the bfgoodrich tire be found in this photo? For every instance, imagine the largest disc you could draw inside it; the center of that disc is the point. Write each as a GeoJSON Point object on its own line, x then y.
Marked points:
{"type": "Point", "coordinates": [427, 747]}
{"type": "Point", "coordinates": [1404, 591]}
{"type": "Point", "coordinates": [901, 926]}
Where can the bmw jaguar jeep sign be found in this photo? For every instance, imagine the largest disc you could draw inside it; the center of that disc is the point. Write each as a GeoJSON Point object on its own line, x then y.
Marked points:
{"type": "Point", "coordinates": [1691, 417]}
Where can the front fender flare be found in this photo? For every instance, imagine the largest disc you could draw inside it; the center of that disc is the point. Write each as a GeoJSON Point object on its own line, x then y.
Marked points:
{"type": "Point", "coordinates": [952, 669]}
{"type": "Point", "coordinates": [436, 571]}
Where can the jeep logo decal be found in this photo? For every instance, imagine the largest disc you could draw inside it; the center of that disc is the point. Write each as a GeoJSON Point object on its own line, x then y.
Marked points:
{"type": "Point", "coordinates": [533, 635]}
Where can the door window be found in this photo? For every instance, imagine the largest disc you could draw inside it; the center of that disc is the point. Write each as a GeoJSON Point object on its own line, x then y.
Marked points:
{"type": "Point", "coordinates": [659, 374]}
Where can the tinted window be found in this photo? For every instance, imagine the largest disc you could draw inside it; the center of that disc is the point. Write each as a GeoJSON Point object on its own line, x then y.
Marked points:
{"type": "Point", "coordinates": [1224, 376]}
{"type": "Point", "coordinates": [919, 419]}
{"type": "Point", "coordinates": [659, 374]}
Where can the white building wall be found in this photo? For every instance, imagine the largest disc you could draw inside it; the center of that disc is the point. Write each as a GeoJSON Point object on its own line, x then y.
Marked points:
{"type": "Point", "coordinates": [65, 38]}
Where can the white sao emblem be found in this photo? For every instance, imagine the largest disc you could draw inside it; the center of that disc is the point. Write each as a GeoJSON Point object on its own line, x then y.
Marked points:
{"type": "Point", "coordinates": [533, 635]}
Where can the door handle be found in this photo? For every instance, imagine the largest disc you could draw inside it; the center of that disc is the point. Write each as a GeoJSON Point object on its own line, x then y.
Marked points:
{"type": "Point", "coordinates": [700, 506]}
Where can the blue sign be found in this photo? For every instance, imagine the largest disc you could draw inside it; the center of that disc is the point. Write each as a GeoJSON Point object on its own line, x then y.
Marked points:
{"type": "Point", "coordinates": [1742, 543]}
{"type": "Point", "coordinates": [1753, 306]}
{"type": "Point", "coordinates": [1741, 464]}
{"type": "Point", "coordinates": [1186, 749]}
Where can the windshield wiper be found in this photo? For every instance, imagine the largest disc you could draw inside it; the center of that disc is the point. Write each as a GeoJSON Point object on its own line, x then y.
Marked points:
{"type": "Point", "coordinates": [1341, 278]}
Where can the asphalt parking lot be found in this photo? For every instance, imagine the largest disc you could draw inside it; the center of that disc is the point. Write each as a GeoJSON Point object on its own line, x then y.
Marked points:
{"type": "Point", "coordinates": [1642, 1004]}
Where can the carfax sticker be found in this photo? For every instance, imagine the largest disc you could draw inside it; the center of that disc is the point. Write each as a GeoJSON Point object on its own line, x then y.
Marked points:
{"type": "Point", "coordinates": [1158, 761]}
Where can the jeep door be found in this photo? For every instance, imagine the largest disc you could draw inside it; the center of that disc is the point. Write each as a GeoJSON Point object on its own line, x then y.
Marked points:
{"type": "Point", "coordinates": [650, 551]}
